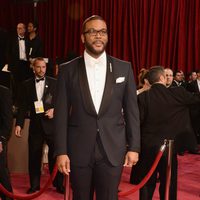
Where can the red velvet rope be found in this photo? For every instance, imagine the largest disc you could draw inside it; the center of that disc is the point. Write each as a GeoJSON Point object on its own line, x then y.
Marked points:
{"type": "Point", "coordinates": [67, 189]}
{"type": "Point", "coordinates": [34, 195]}
{"type": "Point", "coordinates": [147, 177]}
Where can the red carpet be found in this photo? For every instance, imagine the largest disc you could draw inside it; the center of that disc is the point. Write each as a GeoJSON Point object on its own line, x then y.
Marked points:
{"type": "Point", "coordinates": [188, 182]}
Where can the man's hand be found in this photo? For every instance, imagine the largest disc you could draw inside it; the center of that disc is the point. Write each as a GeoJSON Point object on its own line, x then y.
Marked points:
{"type": "Point", "coordinates": [18, 131]}
{"type": "Point", "coordinates": [49, 113]}
{"type": "Point", "coordinates": [63, 164]}
{"type": "Point", "coordinates": [131, 158]}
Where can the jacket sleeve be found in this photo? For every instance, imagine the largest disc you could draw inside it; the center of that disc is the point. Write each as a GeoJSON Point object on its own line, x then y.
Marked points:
{"type": "Point", "coordinates": [131, 114]}
{"type": "Point", "coordinates": [61, 113]}
{"type": "Point", "coordinates": [6, 115]}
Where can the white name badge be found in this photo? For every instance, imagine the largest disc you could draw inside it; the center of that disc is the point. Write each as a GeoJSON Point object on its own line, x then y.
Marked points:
{"type": "Point", "coordinates": [39, 107]}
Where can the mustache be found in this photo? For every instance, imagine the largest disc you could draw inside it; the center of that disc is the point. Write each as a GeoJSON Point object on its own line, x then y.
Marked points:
{"type": "Point", "coordinates": [98, 41]}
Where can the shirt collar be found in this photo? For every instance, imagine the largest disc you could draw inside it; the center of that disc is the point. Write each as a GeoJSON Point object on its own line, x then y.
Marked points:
{"type": "Point", "coordinates": [22, 37]}
{"type": "Point", "coordinates": [92, 61]}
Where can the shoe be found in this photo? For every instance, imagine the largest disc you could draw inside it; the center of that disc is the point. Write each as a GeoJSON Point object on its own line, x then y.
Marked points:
{"type": "Point", "coordinates": [32, 190]}
{"type": "Point", "coordinates": [60, 189]}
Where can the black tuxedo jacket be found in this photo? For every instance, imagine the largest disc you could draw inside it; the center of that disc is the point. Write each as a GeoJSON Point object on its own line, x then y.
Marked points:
{"type": "Point", "coordinates": [195, 110]}
{"type": "Point", "coordinates": [35, 47]}
{"type": "Point", "coordinates": [164, 114]}
{"type": "Point", "coordinates": [28, 97]}
{"type": "Point", "coordinates": [6, 115]}
{"type": "Point", "coordinates": [13, 53]}
{"type": "Point", "coordinates": [193, 87]}
{"type": "Point", "coordinates": [77, 122]}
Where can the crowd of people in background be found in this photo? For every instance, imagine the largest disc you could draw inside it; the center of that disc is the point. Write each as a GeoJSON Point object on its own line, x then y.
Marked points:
{"type": "Point", "coordinates": [24, 58]}
{"type": "Point", "coordinates": [177, 79]}
{"type": "Point", "coordinates": [33, 94]}
{"type": "Point", "coordinates": [164, 114]}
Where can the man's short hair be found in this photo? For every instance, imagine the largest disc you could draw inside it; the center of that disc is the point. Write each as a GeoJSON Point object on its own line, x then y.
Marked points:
{"type": "Point", "coordinates": [198, 71]}
{"type": "Point", "coordinates": [38, 59]}
{"type": "Point", "coordinates": [93, 17]}
{"type": "Point", "coordinates": [154, 74]}
{"type": "Point", "coordinates": [176, 72]}
{"type": "Point", "coordinates": [35, 24]}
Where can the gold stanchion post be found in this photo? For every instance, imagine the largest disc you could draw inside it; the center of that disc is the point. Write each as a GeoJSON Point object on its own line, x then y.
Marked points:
{"type": "Point", "coordinates": [169, 164]}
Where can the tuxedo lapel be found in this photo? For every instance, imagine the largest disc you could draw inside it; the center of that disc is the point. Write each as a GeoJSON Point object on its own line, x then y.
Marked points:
{"type": "Point", "coordinates": [33, 88]}
{"type": "Point", "coordinates": [85, 90]}
{"type": "Point", "coordinates": [46, 86]}
{"type": "Point", "coordinates": [107, 94]}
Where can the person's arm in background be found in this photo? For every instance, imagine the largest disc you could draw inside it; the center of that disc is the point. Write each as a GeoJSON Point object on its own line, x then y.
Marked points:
{"type": "Point", "coordinates": [6, 116]}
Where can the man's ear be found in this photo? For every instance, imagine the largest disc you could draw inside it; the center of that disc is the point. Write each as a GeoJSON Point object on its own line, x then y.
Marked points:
{"type": "Point", "coordinates": [162, 78]}
{"type": "Point", "coordinates": [82, 38]}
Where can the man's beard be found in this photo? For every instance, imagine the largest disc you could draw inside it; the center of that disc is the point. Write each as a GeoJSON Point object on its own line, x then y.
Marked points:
{"type": "Point", "coordinates": [95, 52]}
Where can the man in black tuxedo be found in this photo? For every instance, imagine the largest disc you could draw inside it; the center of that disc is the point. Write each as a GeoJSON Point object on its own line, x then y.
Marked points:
{"type": "Point", "coordinates": [18, 55]}
{"type": "Point", "coordinates": [194, 87]}
{"type": "Point", "coordinates": [178, 79]}
{"type": "Point", "coordinates": [164, 114]}
{"type": "Point", "coordinates": [6, 118]}
{"type": "Point", "coordinates": [96, 117]}
{"type": "Point", "coordinates": [37, 98]}
{"type": "Point", "coordinates": [18, 62]}
{"type": "Point", "coordinates": [35, 46]}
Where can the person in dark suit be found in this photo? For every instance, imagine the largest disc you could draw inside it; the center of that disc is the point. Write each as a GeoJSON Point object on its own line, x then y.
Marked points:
{"type": "Point", "coordinates": [178, 79]}
{"type": "Point", "coordinates": [93, 137]}
{"type": "Point", "coordinates": [18, 55]}
{"type": "Point", "coordinates": [3, 46]}
{"type": "Point", "coordinates": [18, 64]}
{"type": "Point", "coordinates": [37, 98]}
{"type": "Point", "coordinates": [164, 114]}
{"type": "Point", "coordinates": [35, 46]}
{"type": "Point", "coordinates": [6, 119]}
{"type": "Point", "coordinates": [194, 87]}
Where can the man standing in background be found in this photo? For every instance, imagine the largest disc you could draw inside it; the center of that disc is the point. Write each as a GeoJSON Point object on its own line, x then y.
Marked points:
{"type": "Point", "coordinates": [35, 46]}
{"type": "Point", "coordinates": [18, 62]}
{"type": "Point", "coordinates": [37, 98]}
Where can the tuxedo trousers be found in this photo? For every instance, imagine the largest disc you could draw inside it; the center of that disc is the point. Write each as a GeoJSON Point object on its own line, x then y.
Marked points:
{"type": "Point", "coordinates": [36, 140]}
{"type": "Point", "coordinates": [4, 173]}
{"type": "Point", "coordinates": [99, 177]}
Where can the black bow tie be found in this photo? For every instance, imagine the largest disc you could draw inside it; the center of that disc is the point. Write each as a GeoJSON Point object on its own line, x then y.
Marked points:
{"type": "Point", "coordinates": [21, 38]}
{"type": "Point", "coordinates": [39, 79]}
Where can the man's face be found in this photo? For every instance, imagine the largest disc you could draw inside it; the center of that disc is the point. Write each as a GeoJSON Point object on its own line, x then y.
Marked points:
{"type": "Point", "coordinates": [21, 29]}
{"type": "Point", "coordinates": [95, 37]}
{"type": "Point", "coordinates": [193, 76]}
{"type": "Point", "coordinates": [169, 76]}
{"type": "Point", "coordinates": [30, 28]}
{"type": "Point", "coordinates": [178, 77]}
{"type": "Point", "coordinates": [39, 68]}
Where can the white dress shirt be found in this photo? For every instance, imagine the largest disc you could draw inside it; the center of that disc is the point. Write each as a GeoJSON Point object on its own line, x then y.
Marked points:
{"type": "Point", "coordinates": [39, 89]}
{"type": "Point", "coordinates": [198, 83]}
{"type": "Point", "coordinates": [22, 49]}
{"type": "Point", "coordinates": [96, 75]}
